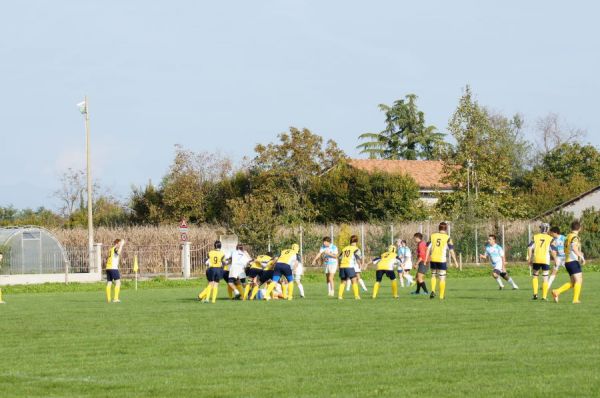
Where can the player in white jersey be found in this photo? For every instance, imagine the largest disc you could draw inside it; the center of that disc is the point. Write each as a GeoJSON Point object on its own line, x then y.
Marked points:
{"type": "Point", "coordinates": [406, 265]}
{"type": "Point", "coordinates": [557, 248]}
{"type": "Point", "coordinates": [358, 270]}
{"type": "Point", "coordinates": [495, 253]}
{"type": "Point", "coordinates": [237, 270]}
{"type": "Point", "coordinates": [298, 272]}
{"type": "Point", "coordinates": [329, 255]}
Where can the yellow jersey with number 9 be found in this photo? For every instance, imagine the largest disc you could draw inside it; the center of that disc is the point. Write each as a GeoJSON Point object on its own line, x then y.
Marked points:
{"type": "Point", "coordinates": [440, 243]}
{"type": "Point", "coordinates": [541, 248]}
{"type": "Point", "coordinates": [215, 258]}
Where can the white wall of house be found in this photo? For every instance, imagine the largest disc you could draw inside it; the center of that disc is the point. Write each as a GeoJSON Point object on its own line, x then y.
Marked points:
{"type": "Point", "coordinates": [587, 202]}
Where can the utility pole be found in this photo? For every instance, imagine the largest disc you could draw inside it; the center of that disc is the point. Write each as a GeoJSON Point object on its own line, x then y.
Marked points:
{"type": "Point", "coordinates": [84, 109]}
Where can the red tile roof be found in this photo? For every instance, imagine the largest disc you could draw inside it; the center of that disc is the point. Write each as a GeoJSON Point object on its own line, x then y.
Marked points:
{"type": "Point", "coordinates": [427, 173]}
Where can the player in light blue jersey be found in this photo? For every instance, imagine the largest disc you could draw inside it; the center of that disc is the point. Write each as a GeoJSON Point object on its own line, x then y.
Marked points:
{"type": "Point", "coordinates": [329, 256]}
{"type": "Point", "coordinates": [495, 253]}
{"type": "Point", "coordinates": [558, 253]}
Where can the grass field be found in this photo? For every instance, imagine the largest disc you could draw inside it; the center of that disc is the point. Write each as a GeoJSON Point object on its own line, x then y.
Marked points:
{"type": "Point", "coordinates": [162, 342]}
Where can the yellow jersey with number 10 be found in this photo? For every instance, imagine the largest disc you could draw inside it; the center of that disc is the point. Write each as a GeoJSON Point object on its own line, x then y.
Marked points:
{"type": "Point", "coordinates": [440, 243]}
{"type": "Point", "coordinates": [541, 249]}
{"type": "Point", "coordinates": [348, 256]}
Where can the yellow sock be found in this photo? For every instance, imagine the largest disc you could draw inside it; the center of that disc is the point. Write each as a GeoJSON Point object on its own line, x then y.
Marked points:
{"type": "Point", "coordinates": [1, 296]}
{"type": "Point", "coordinates": [442, 288]}
{"type": "Point", "coordinates": [117, 291]}
{"type": "Point", "coordinates": [576, 292]}
{"type": "Point", "coordinates": [395, 288]}
{"type": "Point", "coordinates": [355, 290]}
{"type": "Point", "coordinates": [284, 291]}
{"type": "Point", "coordinates": [246, 291]}
{"type": "Point", "coordinates": [254, 292]}
{"type": "Point", "coordinates": [534, 283]}
{"type": "Point", "coordinates": [341, 290]}
{"type": "Point", "coordinates": [215, 290]}
{"type": "Point", "coordinates": [564, 288]}
{"type": "Point", "coordinates": [290, 291]}
{"type": "Point", "coordinates": [108, 293]}
{"type": "Point", "coordinates": [229, 291]}
{"type": "Point", "coordinates": [206, 293]}
{"type": "Point", "coordinates": [270, 288]}
{"type": "Point", "coordinates": [544, 289]}
{"type": "Point", "coordinates": [203, 293]}
{"type": "Point", "coordinates": [433, 283]}
{"type": "Point", "coordinates": [375, 289]}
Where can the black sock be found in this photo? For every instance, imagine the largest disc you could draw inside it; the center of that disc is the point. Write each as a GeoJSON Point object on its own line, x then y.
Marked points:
{"type": "Point", "coordinates": [418, 287]}
{"type": "Point", "coordinates": [424, 287]}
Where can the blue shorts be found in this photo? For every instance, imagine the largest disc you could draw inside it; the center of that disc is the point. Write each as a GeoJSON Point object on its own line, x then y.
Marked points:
{"type": "Point", "coordinates": [225, 275]}
{"type": "Point", "coordinates": [282, 269]}
{"type": "Point", "coordinates": [573, 267]}
{"type": "Point", "coordinates": [347, 273]}
{"type": "Point", "coordinates": [265, 276]}
{"type": "Point", "coordinates": [543, 267]}
{"type": "Point", "coordinates": [254, 272]}
{"type": "Point", "coordinates": [213, 274]}
{"type": "Point", "coordinates": [438, 266]}
{"type": "Point", "coordinates": [112, 275]}
{"type": "Point", "coordinates": [380, 273]}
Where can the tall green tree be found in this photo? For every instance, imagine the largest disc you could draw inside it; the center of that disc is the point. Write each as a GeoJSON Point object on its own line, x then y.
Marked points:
{"type": "Point", "coordinates": [406, 135]}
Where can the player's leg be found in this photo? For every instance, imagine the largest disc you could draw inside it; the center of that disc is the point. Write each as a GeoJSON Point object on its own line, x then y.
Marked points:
{"type": "Point", "coordinates": [394, 281]}
{"type": "Point", "coordinates": [408, 277]}
{"type": "Point", "coordinates": [355, 287]}
{"type": "Point", "coordinates": [442, 280]}
{"type": "Point", "coordinates": [496, 276]}
{"type": "Point", "coordinates": [343, 283]}
{"type": "Point", "coordinates": [545, 274]}
{"type": "Point", "coordinates": [534, 280]}
{"type": "Point", "coordinates": [434, 277]}
{"type": "Point", "coordinates": [298, 281]}
{"type": "Point", "coordinates": [378, 278]}
{"type": "Point", "coordinates": [274, 280]}
{"type": "Point", "coordinates": [553, 274]}
{"type": "Point", "coordinates": [361, 282]}
{"type": "Point", "coordinates": [400, 276]}
{"type": "Point", "coordinates": [108, 290]}
{"type": "Point", "coordinates": [509, 279]}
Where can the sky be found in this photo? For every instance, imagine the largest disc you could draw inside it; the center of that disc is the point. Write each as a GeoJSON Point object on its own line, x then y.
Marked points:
{"type": "Point", "coordinates": [226, 75]}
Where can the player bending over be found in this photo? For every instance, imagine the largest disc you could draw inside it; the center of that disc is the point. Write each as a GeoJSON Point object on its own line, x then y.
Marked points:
{"type": "Point", "coordinates": [575, 259]}
{"type": "Point", "coordinates": [558, 252]}
{"type": "Point", "coordinates": [329, 254]}
{"type": "Point", "coordinates": [495, 253]}
{"type": "Point", "coordinates": [286, 260]}
{"type": "Point", "coordinates": [254, 273]}
{"type": "Point", "coordinates": [539, 259]}
{"type": "Point", "coordinates": [112, 270]}
{"type": "Point", "coordinates": [350, 259]}
{"type": "Point", "coordinates": [437, 252]}
{"type": "Point", "coordinates": [216, 261]}
{"type": "Point", "coordinates": [237, 271]}
{"type": "Point", "coordinates": [385, 266]}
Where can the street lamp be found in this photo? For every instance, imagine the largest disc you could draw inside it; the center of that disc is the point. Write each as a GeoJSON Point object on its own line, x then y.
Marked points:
{"type": "Point", "coordinates": [84, 109]}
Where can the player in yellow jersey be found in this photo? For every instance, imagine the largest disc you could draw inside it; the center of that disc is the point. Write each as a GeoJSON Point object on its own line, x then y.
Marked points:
{"type": "Point", "coordinates": [574, 260]}
{"type": "Point", "coordinates": [437, 253]}
{"type": "Point", "coordinates": [112, 270]}
{"type": "Point", "coordinates": [540, 253]}
{"type": "Point", "coordinates": [386, 264]}
{"type": "Point", "coordinates": [255, 273]}
{"type": "Point", "coordinates": [216, 261]}
{"type": "Point", "coordinates": [350, 258]}
{"type": "Point", "coordinates": [286, 261]}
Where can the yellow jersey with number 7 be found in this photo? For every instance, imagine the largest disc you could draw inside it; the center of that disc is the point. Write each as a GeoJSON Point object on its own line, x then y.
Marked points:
{"type": "Point", "coordinates": [541, 248]}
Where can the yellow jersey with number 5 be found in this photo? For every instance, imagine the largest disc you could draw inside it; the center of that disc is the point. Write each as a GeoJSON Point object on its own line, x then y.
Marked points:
{"type": "Point", "coordinates": [541, 248]}
{"type": "Point", "coordinates": [440, 244]}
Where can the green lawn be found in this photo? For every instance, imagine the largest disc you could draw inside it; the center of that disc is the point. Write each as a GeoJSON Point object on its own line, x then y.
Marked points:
{"type": "Point", "coordinates": [161, 342]}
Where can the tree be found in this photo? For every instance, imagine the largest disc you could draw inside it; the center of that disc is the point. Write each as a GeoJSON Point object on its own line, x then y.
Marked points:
{"type": "Point", "coordinates": [286, 169]}
{"type": "Point", "coordinates": [482, 160]}
{"type": "Point", "coordinates": [554, 133]}
{"type": "Point", "coordinates": [405, 136]}
{"type": "Point", "coordinates": [72, 191]}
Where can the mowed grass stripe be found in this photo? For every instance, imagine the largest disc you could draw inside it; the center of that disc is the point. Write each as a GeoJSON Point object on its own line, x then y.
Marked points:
{"type": "Point", "coordinates": [162, 342]}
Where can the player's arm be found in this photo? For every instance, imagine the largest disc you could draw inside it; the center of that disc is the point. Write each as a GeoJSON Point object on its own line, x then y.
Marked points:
{"type": "Point", "coordinates": [452, 254]}
{"type": "Point", "coordinates": [530, 253]}
{"type": "Point", "coordinates": [319, 254]}
{"type": "Point", "coordinates": [428, 253]}
{"type": "Point", "coordinates": [578, 252]}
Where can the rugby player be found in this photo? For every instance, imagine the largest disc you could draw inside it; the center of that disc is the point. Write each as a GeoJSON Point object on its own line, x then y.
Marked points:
{"type": "Point", "coordinates": [329, 254]}
{"type": "Point", "coordinates": [574, 261]}
{"type": "Point", "coordinates": [385, 266]}
{"type": "Point", "coordinates": [558, 252]}
{"type": "Point", "coordinates": [495, 253]}
{"type": "Point", "coordinates": [350, 259]}
{"type": "Point", "coordinates": [255, 272]}
{"type": "Point", "coordinates": [112, 270]}
{"type": "Point", "coordinates": [405, 265]}
{"type": "Point", "coordinates": [286, 261]}
{"type": "Point", "coordinates": [237, 270]}
{"type": "Point", "coordinates": [215, 262]}
{"type": "Point", "coordinates": [437, 252]}
{"type": "Point", "coordinates": [421, 263]}
{"type": "Point", "coordinates": [539, 259]}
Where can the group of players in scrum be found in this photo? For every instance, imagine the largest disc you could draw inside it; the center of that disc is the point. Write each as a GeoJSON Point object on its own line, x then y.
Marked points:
{"type": "Point", "coordinates": [267, 277]}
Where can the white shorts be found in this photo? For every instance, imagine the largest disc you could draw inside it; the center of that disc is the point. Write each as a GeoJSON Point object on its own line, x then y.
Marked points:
{"type": "Point", "coordinates": [407, 266]}
{"type": "Point", "coordinates": [236, 272]}
{"type": "Point", "coordinates": [297, 277]}
{"type": "Point", "coordinates": [331, 269]}
{"type": "Point", "coordinates": [357, 268]}
{"type": "Point", "coordinates": [299, 270]}
{"type": "Point", "coordinates": [561, 263]}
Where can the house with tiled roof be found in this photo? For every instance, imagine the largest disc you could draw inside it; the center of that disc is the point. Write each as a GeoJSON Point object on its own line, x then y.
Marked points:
{"type": "Point", "coordinates": [428, 174]}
